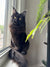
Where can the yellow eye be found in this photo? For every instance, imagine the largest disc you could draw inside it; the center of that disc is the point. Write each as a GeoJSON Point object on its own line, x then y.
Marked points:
{"type": "Point", "coordinates": [15, 18]}
{"type": "Point", "coordinates": [19, 18]}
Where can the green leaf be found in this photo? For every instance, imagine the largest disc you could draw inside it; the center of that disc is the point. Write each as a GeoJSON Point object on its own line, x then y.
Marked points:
{"type": "Point", "coordinates": [34, 30]}
{"type": "Point", "coordinates": [43, 23]}
{"type": "Point", "coordinates": [29, 35]}
{"type": "Point", "coordinates": [40, 10]}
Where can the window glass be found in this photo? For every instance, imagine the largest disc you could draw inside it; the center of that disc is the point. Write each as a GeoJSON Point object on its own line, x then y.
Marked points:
{"type": "Point", "coordinates": [5, 16]}
{"type": "Point", "coordinates": [2, 17]}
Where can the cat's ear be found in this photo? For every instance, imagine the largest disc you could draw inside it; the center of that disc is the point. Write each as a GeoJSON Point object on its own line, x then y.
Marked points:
{"type": "Point", "coordinates": [14, 10]}
{"type": "Point", "coordinates": [24, 13]}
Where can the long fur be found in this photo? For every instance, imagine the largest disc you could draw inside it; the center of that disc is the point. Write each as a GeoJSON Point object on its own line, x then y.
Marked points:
{"type": "Point", "coordinates": [18, 58]}
{"type": "Point", "coordinates": [18, 46]}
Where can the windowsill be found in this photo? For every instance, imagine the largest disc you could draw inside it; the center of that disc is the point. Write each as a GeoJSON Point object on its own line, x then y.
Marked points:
{"type": "Point", "coordinates": [4, 51]}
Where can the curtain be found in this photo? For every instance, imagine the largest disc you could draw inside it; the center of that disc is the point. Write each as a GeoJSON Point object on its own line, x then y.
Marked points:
{"type": "Point", "coordinates": [20, 7]}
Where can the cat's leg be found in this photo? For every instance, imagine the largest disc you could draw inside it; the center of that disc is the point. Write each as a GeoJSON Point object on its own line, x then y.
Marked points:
{"type": "Point", "coordinates": [25, 48]}
{"type": "Point", "coordinates": [11, 54]}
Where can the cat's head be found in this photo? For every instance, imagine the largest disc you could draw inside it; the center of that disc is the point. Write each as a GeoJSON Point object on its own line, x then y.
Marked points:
{"type": "Point", "coordinates": [18, 19]}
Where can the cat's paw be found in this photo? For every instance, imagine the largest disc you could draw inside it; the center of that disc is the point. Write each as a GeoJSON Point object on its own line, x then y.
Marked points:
{"type": "Point", "coordinates": [10, 54]}
{"type": "Point", "coordinates": [23, 52]}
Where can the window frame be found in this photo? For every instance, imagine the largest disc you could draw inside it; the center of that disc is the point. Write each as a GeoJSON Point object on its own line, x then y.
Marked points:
{"type": "Point", "coordinates": [8, 12]}
{"type": "Point", "coordinates": [6, 36]}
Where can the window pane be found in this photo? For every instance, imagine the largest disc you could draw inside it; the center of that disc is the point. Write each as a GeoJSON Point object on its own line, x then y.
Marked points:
{"type": "Point", "coordinates": [2, 13]}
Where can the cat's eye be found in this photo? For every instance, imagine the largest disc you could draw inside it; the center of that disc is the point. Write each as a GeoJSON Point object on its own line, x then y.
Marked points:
{"type": "Point", "coordinates": [15, 18]}
{"type": "Point", "coordinates": [19, 18]}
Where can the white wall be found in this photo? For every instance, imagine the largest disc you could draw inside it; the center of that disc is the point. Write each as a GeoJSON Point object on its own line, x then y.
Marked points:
{"type": "Point", "coordinates": [37, 51]}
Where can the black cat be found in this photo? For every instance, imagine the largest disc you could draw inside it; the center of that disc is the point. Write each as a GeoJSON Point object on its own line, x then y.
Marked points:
{"type": "Point", "coordinates": [17, 29]}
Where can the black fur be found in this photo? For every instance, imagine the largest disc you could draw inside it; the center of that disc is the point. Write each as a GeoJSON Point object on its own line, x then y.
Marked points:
{"type": "Point", "coordinates": [17, 29]}
{"type": "Point", "coordinates": [18, 58]}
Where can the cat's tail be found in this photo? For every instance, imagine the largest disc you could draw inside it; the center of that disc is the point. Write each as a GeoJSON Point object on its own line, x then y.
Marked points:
{"type": "Point", "coordinates": [18, 58]}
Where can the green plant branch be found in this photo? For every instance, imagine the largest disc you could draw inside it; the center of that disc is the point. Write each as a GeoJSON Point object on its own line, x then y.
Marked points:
{"type": "Point", "coordinates": [41, 22]}
{"type": "Point", "coordinates": [44, 25]}
{"type": "Point", "coordinates": [40, 10]}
